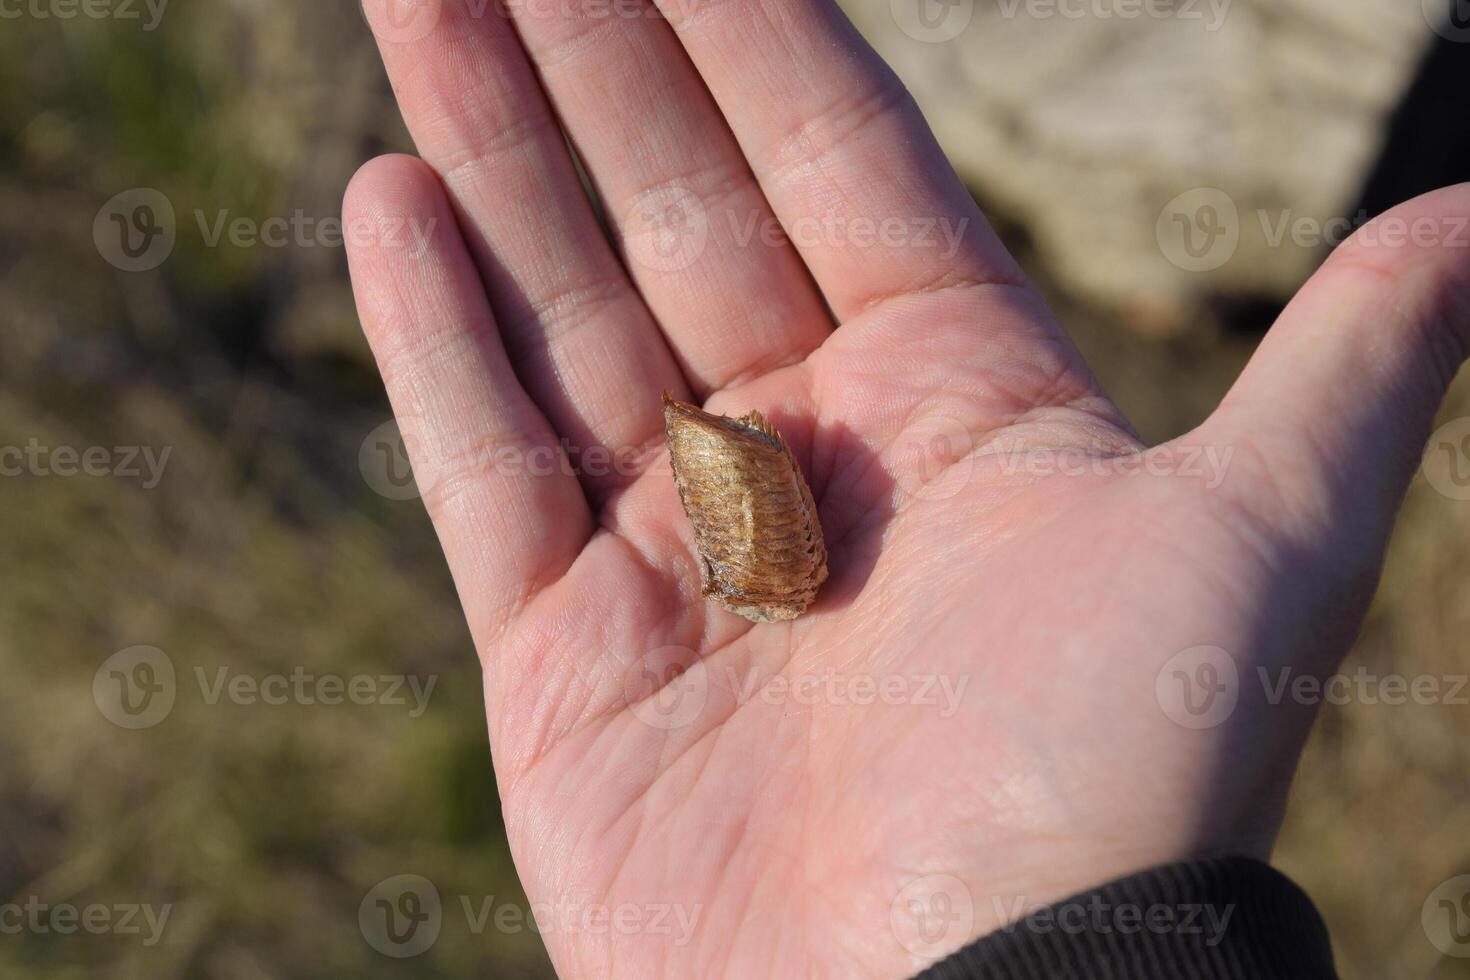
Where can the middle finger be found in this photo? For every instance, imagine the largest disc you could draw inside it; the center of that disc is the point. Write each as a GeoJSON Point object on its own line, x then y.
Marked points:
{"type": "Point", "coordinates": [701, 241]}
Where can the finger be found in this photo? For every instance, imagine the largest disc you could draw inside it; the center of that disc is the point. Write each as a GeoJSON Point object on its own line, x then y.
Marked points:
{"type": "Point", "coordinates": [1338, 401]}
{"type": "Point", "coordinates": [698, 235]}
{"type": "Point", "coordinates": [511, 518]}
{"type": "Point", "coordinates": [841, 150]}
{"type": "Point", "coordinates": [576, 331]}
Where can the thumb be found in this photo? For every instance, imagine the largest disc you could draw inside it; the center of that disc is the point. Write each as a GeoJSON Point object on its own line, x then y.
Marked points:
{"type": "Point", "coordinates": [1334, 408]}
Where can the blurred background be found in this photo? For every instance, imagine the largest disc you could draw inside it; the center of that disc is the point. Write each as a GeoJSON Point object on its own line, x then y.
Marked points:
{"type": "Point", "coordinates": [213, 518]}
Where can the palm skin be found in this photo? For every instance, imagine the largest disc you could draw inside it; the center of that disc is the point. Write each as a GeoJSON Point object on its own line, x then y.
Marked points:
{"type": "Point", "coordinates": [975, 717]}
{"type": "Point", "coordinates": [1020, 622]}
{"type": "Point", "coordinates": [792, 823]}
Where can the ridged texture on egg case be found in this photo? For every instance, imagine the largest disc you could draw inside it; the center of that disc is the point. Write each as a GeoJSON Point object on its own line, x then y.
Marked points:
{"type": "Point", "coordinates": [755, 524]}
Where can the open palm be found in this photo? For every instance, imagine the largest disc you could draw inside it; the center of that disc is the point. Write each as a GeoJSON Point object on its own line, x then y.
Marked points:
{"type": "Point", "coordinates": [1033, 667]}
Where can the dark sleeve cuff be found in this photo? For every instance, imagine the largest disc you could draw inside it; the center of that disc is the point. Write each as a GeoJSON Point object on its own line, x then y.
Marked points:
{"type": "Point", "coordinates": [1229, 918]}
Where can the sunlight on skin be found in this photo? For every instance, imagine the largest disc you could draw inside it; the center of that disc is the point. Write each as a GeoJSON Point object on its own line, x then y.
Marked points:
{"type": "Point", "coordinates": [1037, 605]}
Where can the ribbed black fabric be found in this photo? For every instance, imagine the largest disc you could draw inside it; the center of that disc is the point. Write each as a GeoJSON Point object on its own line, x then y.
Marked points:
{"type": "Point", "coordinates": [1252, 923]}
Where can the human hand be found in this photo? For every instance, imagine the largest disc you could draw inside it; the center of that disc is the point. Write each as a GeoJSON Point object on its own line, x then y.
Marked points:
{"type": "Point", "coordinates": [1000, 558]}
